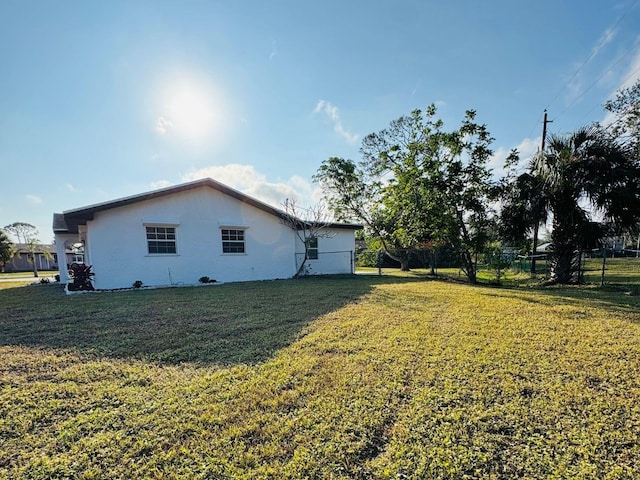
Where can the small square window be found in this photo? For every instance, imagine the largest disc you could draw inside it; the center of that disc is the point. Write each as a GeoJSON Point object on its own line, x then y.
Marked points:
{"type": "Point", "coordinates": [232, 241]}
{"type": "Point", "coordinates": [161, 240]}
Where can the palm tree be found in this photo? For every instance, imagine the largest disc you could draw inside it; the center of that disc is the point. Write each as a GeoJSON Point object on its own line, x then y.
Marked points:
{"type": "Point", "coordinates": [524, 209]}
{"type": "Point", "coordinates": [585, 173]}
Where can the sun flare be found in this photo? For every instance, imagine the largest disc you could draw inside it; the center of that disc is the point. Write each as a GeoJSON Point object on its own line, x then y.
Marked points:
{"type": "Point", "coordinates": [191, 110]}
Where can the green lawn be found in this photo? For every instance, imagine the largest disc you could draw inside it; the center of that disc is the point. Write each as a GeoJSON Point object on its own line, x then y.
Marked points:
{"type": "Point", "coordinates": [366, 377]}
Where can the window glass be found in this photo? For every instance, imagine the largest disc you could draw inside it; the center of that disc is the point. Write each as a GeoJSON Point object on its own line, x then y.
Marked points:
{"type": "Point", "coordinates": [161, 240]}
{"type": "Point", "coordinates": [312, 248]}
{"type": "Point", "coordinates": [232, 240]}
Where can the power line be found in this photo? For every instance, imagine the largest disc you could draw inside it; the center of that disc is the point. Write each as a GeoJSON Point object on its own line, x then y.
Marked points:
{"type": "Point", "coordinates": [594, 52]}
{"type": "Point", "coordinates": [595, 82]}
{"type": "Point", "coordinates": [533, 127]}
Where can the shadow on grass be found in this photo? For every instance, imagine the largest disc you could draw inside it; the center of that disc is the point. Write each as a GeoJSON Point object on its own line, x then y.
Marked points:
{"type": "Point", "coordinates": [221, 324]}
{"type": "Point", "coordinates": [617, 299]}
{"type": "Point", "coordinates": [621, 292]}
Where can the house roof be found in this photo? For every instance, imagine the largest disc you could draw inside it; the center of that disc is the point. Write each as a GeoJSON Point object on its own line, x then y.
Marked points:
{"type": "Point", "coordinates": [69, 220]}
{"type": "Point", "coordinates": [544, 247]}
{"type": "Point", "coordinates": [40, 248]}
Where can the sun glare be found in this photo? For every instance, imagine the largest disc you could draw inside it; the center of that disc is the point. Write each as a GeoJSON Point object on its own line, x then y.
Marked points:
{"type": "Point", "coordinates": [192, 111]}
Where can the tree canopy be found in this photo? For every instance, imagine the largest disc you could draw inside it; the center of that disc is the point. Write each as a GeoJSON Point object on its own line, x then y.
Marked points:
{"type": "Point", "coordinates": [626, 110]}
{"type": "Point", "coordinates": [7, 249]}
{"type": "Point", "coordinates": [588, 183]}
{"type": "Point", "coordinates": [22, 231]}
{"type": "Point", "coordinates": [417, 183]}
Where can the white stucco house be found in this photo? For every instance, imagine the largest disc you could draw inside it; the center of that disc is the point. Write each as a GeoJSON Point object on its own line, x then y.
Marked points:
{"type": "Point", "coordinates": [176, 235]}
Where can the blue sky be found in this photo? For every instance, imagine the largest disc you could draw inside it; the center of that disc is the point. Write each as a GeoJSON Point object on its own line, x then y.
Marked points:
{"type": "Point", "coordinates": [100, 100]}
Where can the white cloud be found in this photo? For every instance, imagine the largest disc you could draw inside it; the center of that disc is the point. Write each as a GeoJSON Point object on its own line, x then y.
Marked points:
{"type": "Point", "coordinates": [629, 78]}
{"type": "Point", "coordinates": [249, 181]}
{"type": "Point", "coordinates": [526, 149]}
{"type": "Point", "coordinates": [632, 74]}
{"type": "Point", "coordinates": [160, 184]}
{"type": "Point", "coordinates": [163, 125]}
{"type": "Point", "coordinates": [71, 188]}
{"type": "Point", "coordinates": [416, 87]}
{"type": "Point", "coordinates": [576, 84]}
{"type": "Point", "coordinates": [34, 199]}
{"type": "Point", "coordinates": [332, 112]}
{"type": "Point", "coordinates": [575, 88]}
{"type": "Point", "coordinates": [605, 39]}
{"type": "Point", "coordinates": [274, 50]}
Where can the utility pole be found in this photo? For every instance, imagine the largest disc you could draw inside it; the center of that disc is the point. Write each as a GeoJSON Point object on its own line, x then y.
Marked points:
{"type": "Point", "coordinates": [535, 227]}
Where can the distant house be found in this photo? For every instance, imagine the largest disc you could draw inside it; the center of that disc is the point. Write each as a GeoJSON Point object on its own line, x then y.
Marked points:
{"type": "Point", "coordinates": [615, 243]}
{"type": "Point", "coordinates": [20, 261]}
{"type": "Point", "coordinates": [544, 248]}
{"type": "Point", "coordinates": [175, 235]}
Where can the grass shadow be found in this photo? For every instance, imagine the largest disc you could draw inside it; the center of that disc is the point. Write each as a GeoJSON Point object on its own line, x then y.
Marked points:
{"type": "Point", "coordinates": [222, 324]}
{"type": "Point", "coordinates": [617, 299]}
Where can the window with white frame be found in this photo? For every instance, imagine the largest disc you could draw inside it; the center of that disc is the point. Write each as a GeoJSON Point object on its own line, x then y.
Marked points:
{"type": "Point", "coordinates": [233, 240]}
{"type": "Point", "coordinates": [312, 248]}
{"type": "Point", "coordinates": [161, 240]}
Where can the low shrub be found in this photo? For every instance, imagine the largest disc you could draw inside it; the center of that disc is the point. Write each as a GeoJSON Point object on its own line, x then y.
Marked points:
{"type": "Point", "coordinates": [137, 284]}
{"type": "Point", "coordinates": [81, 275]}
{"type": "Point", "coordinates": [44, 281]}
{"type": "Point", "coordinates": [206, 279]}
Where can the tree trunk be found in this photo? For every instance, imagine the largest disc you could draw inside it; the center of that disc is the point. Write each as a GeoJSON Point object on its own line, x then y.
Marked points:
{"type": "Point", "coordinates": [35, 267]}
{"type": "Point", "coordinates": [402, 258]}
{"type": "Point", "coordinates": [533, 250]}
{"type": "Point", "coordinates": [471, 275]}
{"type": "Point", "coordinates": [562, 258]}
{"type": "Point", "coordinates": [300, 271]}
{"type": "Point", "coordinates": [561, 271]}
{"type": "Point", "coordinates": [469, 267]}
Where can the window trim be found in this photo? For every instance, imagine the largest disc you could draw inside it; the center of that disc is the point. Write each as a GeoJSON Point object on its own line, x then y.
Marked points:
{"type": "Point", "coordinates": [235, 241]}
{"type": "Point", "coordinates": [165, 240]}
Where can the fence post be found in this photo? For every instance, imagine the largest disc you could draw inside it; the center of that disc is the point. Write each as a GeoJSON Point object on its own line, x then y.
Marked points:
{"type": "Point", "coordinates": [604, 262]}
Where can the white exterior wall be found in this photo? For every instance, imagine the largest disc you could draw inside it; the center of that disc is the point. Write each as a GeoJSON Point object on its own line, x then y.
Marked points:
{"type": "Point", "coordinates": [116, 243]}
{"type": "Point", "coordinates": [335, 253]}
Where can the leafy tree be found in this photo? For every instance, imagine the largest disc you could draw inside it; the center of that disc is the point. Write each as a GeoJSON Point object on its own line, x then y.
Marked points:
{"type": "Point", "coordinates": [22, 231]}
{"type": "Point", "coordinates": [354, 195]}
{"type": "Point", "coordinates": [588, 171]}
{"type": "Point", "coordinates": [417, 184]}
{"type": "Point", "coordinates": [626, 108]}
{"type": "Point", "coordinates": [7, 250]}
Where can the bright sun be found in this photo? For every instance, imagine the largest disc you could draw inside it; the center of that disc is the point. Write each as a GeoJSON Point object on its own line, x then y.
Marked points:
{"type": "Point", "coordinates": [191, 111]}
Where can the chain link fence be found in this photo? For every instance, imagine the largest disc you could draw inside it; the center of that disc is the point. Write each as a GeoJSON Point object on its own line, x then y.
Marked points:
{"type": "Point", "coordinates": [604, 265]}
